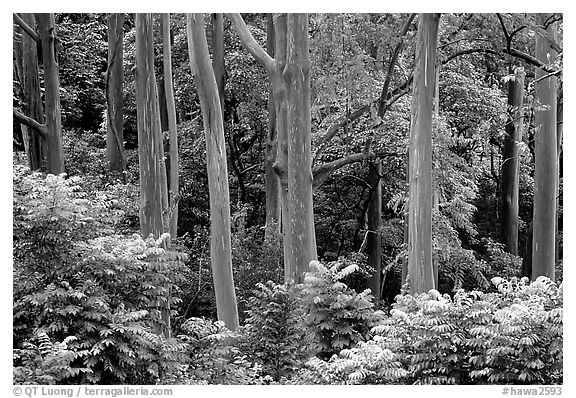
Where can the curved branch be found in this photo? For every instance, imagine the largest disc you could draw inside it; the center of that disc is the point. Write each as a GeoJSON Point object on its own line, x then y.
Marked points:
{"type": "Point", "coordinates": [393, 60]}
{"type": "Point", "coordinates": [515, 53]}
{"type": "Point", "coordinates": [26, 28]}
{"type": "Point", "coordinates": [40, 129]}
{"type": "Point", "coordinates": [322, 172]}
{"type": "Point", "coordinates": [250, 42]}
{"type": "Point", "coordinates": [344, 120]}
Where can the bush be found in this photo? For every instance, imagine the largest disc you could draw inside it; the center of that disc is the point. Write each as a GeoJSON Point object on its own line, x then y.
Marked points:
{"type": "Point", "coordinates": [213, 356]}
{"type": "Point", "coordinates": [336, 316]}
{"type": "Point", "coordinates": [512, 336]}
{"type": "Point", "coordinates": [86, 303]}
{"type": "Point", "coordinates": [273, 335]}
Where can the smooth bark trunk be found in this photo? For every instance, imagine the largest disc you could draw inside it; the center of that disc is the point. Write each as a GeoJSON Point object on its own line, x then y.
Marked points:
{"type": "Point", "coordinates": [172, 130]}
{"type": "Point", "coordinates": [373, 243]}
{"type": "Point", "coordinates": [150, 148]}
{"type": "Point", "coordinates": [115, 96]}
{"type": "Point", "coordinates": [273, 209]}
{"type": "Point", "coordinates": [220, 241]}
{"type": "Point", "coordinates": [53, 115]}
{"type": "Point", "coordinates": [218, 56]}
{"type": "Point", "coordinates": [545, 168]}
{"type": "Point", "coordinates": [510, 174]}
{"type": "Point", "coordinates": [420, 267]}
{"type": "Point", "coordinates": [32, 96]}
{"type": "Point", "coordinates": [300, 206]}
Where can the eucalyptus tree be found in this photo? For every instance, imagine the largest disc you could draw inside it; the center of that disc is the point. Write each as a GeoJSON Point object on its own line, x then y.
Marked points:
{"type": "Point", "coordinates": [220, 239]}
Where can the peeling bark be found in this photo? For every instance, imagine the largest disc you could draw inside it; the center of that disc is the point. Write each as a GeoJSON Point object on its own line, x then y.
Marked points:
{"type": "Point", "coordinates": [510, 174]}
{"type": "Point", "coordinates": [420, 267]}
{"type": "Point", "coordinates": [545, 168]}
{"type": "Point", "coordinates": [172, 131]}
{"type": "Point", "coordinates": [53, 143]}
{"type": "Point", "coordinates": [115, 96]}
{"type": "Point", "coordinates": [220, 240]}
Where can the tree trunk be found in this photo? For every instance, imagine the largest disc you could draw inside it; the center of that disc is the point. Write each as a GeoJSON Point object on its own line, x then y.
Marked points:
{"type": "Point", "coordinates": [115, 96]}
{"type": "Point", "coordinates": [545, 169]}
{"type": "Point", "coordinates": [280, 166]}
{"type": "Point", "coordinates": [373, 243]}
{"type": "Point", "coordinates": [32, 96]}
{"type": "Point", "coordinates": [54, 150]}
{"type": "Point", "coordinates": [218, 55]}
{"type": "Point", "coordinates": [220, 241]}
{"type": "Point", "coordinates": [510, 173]}
{"type": "Point", "coordinates": [172, 131]}
{"type": "Point", "coordinates": [559, 132]}
{"type": "Point", "coordinates": [272, 184]}
{"type": "Point", "coordinates": [420, 268]}
{"type": "Point", "coordinates": [300, 209]}
{"type": "Point", "coordinates": [150, 149]}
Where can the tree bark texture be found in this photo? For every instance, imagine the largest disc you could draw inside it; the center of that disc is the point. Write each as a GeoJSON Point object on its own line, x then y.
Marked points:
{"type": "Point", "coordinates": [300, 208]}
{"type": "Point", "coordinates": [172, 131]}
{"type": "Point", "coordinates": [273, 210]}
{"type": "Point", "coordinates": [280, 166]}
{"type": "Point", "coordinates": [150, 149]}
{"type": "Point", "coordinates": [32, 96]}
{"type": "Point", "coordinates": [54, 150]}
{"type": "Point", "coordinates": [218, 55]}
{"type": "Point", "coordinates": [115, 96]}
{"type": "Point", "coordinates": [420, 267]}
{"type": "Point", "coordinates": [373, 243]}
{"type": "Point", "coordinates": [510, 173]}
{"type": "Point", "coordinates": [545, 168]}
{"type": "Point", "coordinates": [220, 241]}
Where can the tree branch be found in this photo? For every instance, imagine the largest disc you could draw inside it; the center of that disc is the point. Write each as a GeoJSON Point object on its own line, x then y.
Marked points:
{"type": "Point", "coordinates": [250, 42]}
{"type": "Point", "coordinates": [322, 172]}
{"type": "Point", "coordinates": [40, 129]}
{"type": "Point", "coordinates": [506, 35]}
{"type": "Point", "coordinates": [26, 28]}
{"type": "Point", "coordinates": [344, 120]}
{"type": "Point", "coordinates": [393, 60]}
{"type": "Point", "coordinates": [515, 53]}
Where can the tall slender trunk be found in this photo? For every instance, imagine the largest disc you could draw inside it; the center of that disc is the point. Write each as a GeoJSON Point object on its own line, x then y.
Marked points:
{"type": "Point", "coordinates": [172, 130]}
{"type": "Point", "coordinates": [300, 206]}
{"type": "Point", "coordinates": [114, 95]}
{"type": "Point", "coordinates": [273, 210]}
{"type": "Point", "coordinates": [280, 166]}
{"type": "Point", "coordinates": [220, 240]}
{"type": "Point", "coordinates": [559, 132]}
{"type": "Point", "coordinates": [545, 169]}
{"type": "Point", "coordinates": [510, 166]}
{"type": "Point", "coordinates": [420, 267]}
{"type": "Point", "coordinates": [32, 96]}
{"type": "Point", "coordinates": [53, 142]}
{"type": "Point", "coordinates": [218, 55]}
{"type": "Point", "coordinates": [150, 149]}
{"type": "Point", "coordinates": [373, 244]}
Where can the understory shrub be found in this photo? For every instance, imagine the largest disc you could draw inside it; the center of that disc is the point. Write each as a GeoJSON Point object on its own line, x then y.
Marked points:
{"type": "Point", "coordinates": [336, 316]}
{"type": "Point", "coordinates": [511, 336]}
{"type": "Point", "coordinates": [213, 356]}
{"type": "Point", "coordinates": [87, 304]}
{"type": "Point", "coordinates": [273, 335]}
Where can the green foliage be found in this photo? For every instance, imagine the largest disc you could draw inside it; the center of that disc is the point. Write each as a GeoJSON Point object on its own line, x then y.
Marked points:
{"type": "Point", "coordinates": [500, 262]}
{"type": "Point", "coordinates": [336, 316]}
{"type": "Point", "coordinates": [76, 283]}
{"type": "Point", "coordinates": [273, 334]}
{"type": "Point", "coordinates": [254, 259]}
{"type": "Point", "coordinates": [213, 356]}
{"type": "Point", "coordinates": [511, 336]}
